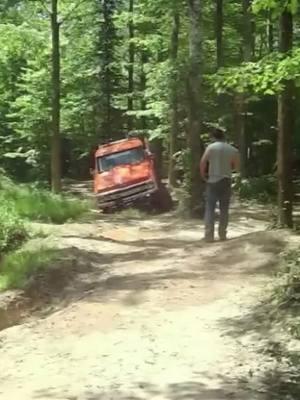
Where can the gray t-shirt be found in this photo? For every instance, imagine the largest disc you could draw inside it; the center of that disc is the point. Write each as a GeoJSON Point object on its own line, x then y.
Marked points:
{"type": "Point", "coordinates": [220, 156]}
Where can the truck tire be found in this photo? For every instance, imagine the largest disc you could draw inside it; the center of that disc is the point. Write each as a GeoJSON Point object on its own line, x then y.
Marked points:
{"type": "Point", "coordinates": [107, 210]}
{"type": "Point", "coordinates": [161, 200]}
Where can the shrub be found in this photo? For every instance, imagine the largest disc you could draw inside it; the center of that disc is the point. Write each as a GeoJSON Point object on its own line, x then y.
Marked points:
{"type": "Point", "coordinates": [287, 290]}
{"type": "Point", "coordinates": [41, 205]}
{"type": "Point", "coordinates": [18, 267]}
{"type": "Point", "coordinates": [262, 189]}
{"type": "Point", "coordinates": [36, 203]}
{"type": "Point", "coordinates": [285, 301]}
{"type": "Point", "coordinates": [12, 232]}
{"type": "Point", "coordinates": [5, 181]}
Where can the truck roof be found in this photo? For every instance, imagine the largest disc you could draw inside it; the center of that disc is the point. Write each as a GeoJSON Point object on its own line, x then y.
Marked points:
{"type": "Point", "coordinates": [120, 145]}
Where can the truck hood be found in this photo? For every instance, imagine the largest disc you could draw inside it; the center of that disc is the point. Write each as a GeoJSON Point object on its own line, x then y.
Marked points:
{"type": "Point", "coordinates": [123, 176]}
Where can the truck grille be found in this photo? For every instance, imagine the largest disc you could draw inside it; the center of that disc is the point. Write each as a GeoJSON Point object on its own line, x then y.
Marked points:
{"type": "Point", "coordinates": [125, 193]}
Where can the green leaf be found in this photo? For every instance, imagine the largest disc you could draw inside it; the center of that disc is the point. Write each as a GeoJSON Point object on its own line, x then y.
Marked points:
{"type": "Point", "coordinates": [270, 92]}
{"type": "Point", "coordinates": [293, 6]}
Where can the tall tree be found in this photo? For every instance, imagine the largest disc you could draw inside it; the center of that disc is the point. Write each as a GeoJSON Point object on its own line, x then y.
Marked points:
{"type": "Point", "coordinates": [143, 83]}
{"type": "Point", "coordinates": [194, 110]}
{"type": "Point", "coordinates": [56, 138]}
{"type": "Point", "coordinates": [174, 96]}
{"type": "Point", "coordinates": [270, 33]}
{"type": "Point", "coordinates": [247, 56]}
{"type": "Point", "coordinates": [285, 129]}
{"type": "Point", "coordinates": [219, 33]}
{"type": "Point", "coordinates": [219, 25]}
{"type": "Point", "coordinates": [131, 58]}
{"type": "Point", "coordinates": [107, 41]}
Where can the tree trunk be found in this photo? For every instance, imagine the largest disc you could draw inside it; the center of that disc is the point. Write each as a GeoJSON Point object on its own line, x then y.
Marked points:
{"type": "Point", "coordinates": [285, 131]}
{"type": "Point", "coordinates": [174, 131]}
{"type": "Point", "coordinates": [219, 23]}
{"type": "Point", "coordinates": [219, 33]}
{"type": "Point", "coordinates": [56, 138]}
{"type": "Point", "coordinates": [248, 52]}
{"type": "Point", "coordinates": [195, 88]}
{"type": "Point", "coordinates": [240, 126]}
{"type": "Point", "coordinates": [107, 76]}
{"type": "Point", "coordinates": [157, 148]}
{"type": "Point", "coordinates": [248, 32]}
{"type": "Point", "coordinates": [143, 82]}
{"type": "Point", "coordinates": [130, 66]}
{"type": "Point", "coordinates": [270, 34]}
{"type": "Point", "coordinates": [107, 83]}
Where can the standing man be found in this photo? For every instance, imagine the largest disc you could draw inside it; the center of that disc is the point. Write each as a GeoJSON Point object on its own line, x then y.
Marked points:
{"type": "Point", "coordinates": [222, 159]}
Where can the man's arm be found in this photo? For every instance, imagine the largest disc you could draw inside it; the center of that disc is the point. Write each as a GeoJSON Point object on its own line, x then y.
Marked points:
{"type": "Point", "coordinates": [203, 164]}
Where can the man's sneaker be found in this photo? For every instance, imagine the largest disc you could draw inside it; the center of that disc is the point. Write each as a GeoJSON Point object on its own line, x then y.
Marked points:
{"type": "Point", "coordinates": [223, 238]}
{"type": "Point", "coordinates": [208, 239]}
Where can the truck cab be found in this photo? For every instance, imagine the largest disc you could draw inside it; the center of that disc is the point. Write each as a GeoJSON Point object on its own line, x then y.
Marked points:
{"type": "Point", "coordinates": [123, 173]}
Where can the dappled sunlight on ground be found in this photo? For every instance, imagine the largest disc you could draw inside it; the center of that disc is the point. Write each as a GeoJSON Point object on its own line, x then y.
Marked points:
{"type": "Point", "coordinates": [142, 308]}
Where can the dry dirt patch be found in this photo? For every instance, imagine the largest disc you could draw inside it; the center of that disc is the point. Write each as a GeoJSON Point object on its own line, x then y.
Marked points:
{"type": "Point", "coordinates": [141, 316]}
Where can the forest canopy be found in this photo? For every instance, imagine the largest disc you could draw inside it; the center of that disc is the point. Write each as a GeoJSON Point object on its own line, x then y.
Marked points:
{"type": "Point", "coordinates": [76, 73]}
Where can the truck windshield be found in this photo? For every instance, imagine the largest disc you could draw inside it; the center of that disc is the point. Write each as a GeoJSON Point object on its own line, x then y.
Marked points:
{"type": "Point", "coordinates": [110, 161]}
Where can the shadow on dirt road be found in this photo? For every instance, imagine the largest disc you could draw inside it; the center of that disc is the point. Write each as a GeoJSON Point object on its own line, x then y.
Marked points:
{"type": "Point", "coordinates": [280, 379]}
{"type": "Point", "coordinates": [131, 303]}
{"type": "Point", "coordinates": [84, 274]}
{"type": "Point", "coordinates": [191, 390]}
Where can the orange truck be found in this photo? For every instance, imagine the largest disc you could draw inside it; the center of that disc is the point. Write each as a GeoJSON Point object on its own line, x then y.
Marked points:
{"type": "Point", "coordinates": [123, 173]}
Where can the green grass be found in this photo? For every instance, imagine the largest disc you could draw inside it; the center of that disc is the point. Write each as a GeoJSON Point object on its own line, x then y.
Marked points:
{"type": "Point", "coordinates": [17, 267]}
{"type": "Point", "coordinates": [12, 230]}
{"type": "Point", "coordinates": [39, 204]}
{"type": "Point", "coordinates": [19, 204]}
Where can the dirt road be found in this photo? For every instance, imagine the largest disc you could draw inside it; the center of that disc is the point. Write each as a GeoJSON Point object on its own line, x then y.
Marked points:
{"type": "Point", "coordinates": [149, 312]}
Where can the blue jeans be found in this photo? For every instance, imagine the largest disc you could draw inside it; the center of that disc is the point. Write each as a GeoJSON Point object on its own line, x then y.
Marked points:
{"type": "Point", "coordinates": [219, 192]}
